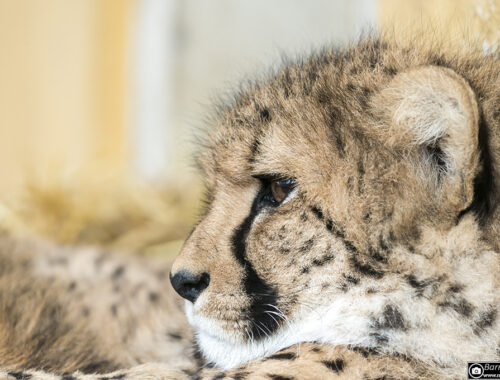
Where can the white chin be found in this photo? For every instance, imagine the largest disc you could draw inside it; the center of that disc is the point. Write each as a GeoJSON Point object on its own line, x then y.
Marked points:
{"type": "Point", "coordinates": [226, 351]}
{"type": "Point", "coordinates": [226, 354]}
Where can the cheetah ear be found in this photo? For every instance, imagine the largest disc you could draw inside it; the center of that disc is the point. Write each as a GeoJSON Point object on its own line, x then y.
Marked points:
{"type": "Point", "coordinates": [433, 111]}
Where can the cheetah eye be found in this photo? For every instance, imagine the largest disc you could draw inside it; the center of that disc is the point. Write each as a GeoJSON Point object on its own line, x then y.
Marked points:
{"type": "Point", "coordinates": [281, 189]}
{"type": "Point", "coordinates": [275, 189]}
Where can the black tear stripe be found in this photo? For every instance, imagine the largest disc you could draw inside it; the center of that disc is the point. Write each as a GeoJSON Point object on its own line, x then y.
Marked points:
{"type": "Point", "coordinates": [262, 294]}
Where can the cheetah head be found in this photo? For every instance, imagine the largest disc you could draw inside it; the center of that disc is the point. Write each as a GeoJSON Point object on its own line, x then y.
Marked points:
{"type": "Point", "coordinates": [335, 190]}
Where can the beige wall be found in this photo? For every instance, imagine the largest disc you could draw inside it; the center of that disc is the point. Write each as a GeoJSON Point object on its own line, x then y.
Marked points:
{"type": "Point", "coordinates": [61, 86]}
{"type": "Point", "coordinates": [456, 22]}
{"type": "Point", "coordinates": [65, 81]}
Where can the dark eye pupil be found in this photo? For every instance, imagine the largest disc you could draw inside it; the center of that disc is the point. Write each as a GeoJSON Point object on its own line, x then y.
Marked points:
{"type": "Point", "coordinates": [280, 189]}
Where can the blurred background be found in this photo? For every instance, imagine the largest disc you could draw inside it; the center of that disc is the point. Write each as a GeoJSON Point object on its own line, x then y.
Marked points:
{"type": "Point", "coordinates": [99, 99]}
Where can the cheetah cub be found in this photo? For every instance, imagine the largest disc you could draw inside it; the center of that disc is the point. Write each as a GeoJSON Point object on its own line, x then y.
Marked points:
{"type": "Point", "coordinates": [351, 228]}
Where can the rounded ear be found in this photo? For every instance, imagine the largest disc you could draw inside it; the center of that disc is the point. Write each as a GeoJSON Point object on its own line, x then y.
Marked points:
{"type": "Point", "coordinates": [433, 111]}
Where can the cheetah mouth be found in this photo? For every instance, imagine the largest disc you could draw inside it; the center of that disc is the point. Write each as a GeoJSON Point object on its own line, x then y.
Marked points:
{"type": "Point", "coordinates": [227, 349]}
{"type": "Point", "coordinates": [214, 328]}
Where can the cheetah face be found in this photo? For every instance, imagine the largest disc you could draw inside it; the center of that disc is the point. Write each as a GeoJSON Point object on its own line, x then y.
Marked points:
{"type": "Point", "coordinates": [314, 179]}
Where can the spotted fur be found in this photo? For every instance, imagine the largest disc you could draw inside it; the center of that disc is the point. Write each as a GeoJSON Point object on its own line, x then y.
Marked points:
{"type": "Point", "coordinates": [390, 236]}
{"type": "Point", "coordinates": [381, 263]}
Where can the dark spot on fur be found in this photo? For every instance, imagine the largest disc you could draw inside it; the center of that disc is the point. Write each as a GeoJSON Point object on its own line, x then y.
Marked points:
{"type": "Point", "coordinates": [284, 250]}
{"type": "Point", "coordinates": [456, 288]}
{"type": "Point", "coordinates": [496, 113]}
{"type": "Point", "coordinates": [72, 286]}
{"type": "Point", "coordinates": [418, 285]}
{"type": "Point", "coordinates": [306, 246]}
{"type": "Point", "coordinates": [317, 211]}
{"type": "Point", "coordinates": [322, 96]}
{"type": "Point", "coordinates": [460, 305]}
{"type": "Point", "coordinates": [114, 309]}
{"type": "Point", "coordinates": [329, 225]}
{"type": "Point", "coordinates": [364, 97]}
{"type": "Point", "coordinates": [349, 183]}
{"type": "Point", "coordinates": [361, 177]}
{"type": "Point", "coordinates": [118, 272]}
{"type": "Point", "coordinates": [366, 268]}
{"type": "Point", "coordinates": [68, 377]}
{"type": "Point", "coordinates": [384, 245]}
{"type": "Point", "coordinates": [218, 376]}
{"type": "Point", "coordinates": [390, 70]}
{"type": "Point", "coordinates": [264, 115]}
{"type": "Point", "coordinates": [351, 279]}
{"type": "Point", "coordinates": [20, 375]}
{"type": "Point", "coordinates": [283, 356]}
{"type": "Point", "coordinates": [303, 217]}
{"type": "Point", "coordinates": [439, 60]}
{"type": "Point", "coordinates": [85, 311]}
{"type": "Point", "coordinates": [279, 377]}
{"type": "Point", "coordinates": [422, 286]}
{"type": "Point", "coordinates": [391, 319]}
{"type": "Point", "coordinates": [305, 269]}
{"type": "Point", "coordinates": [354, 70]}
{"type": "Point", "coordinates": [174, 336]}
{"type": "Point", "coordinates": [365, 352]}
{"type": "Point", "coordinates": [340, 145]}
{"type": "Point", "coordinates": [336, 365]}
{"type": "Point", "coordinates": [373, 60]}
{"type": "Point", "coordinates": [254, 150]}
{"type": "Point", "coordinates": [97, 366]}
{"type": "Point", "coordinates": [378, 256]}
{"type": "Point", "coordinates": [323, 260]}
{"type": "Point", "coordinates": [240, 375]}
{"type": "Point", "coordinates": [485, 320]}
{"type": "Point", "coordinates": [154, 297]}
{"type": "Point", "coordinates": [316, 349]}
{"type": "Point", "coordinates": [380, 339]}
{"type": "Point", "coordinates": [115, 377]}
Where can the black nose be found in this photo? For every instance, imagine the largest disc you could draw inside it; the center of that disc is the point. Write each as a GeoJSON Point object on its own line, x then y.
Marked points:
{"type": "Point", "coordinates": [188, 285]}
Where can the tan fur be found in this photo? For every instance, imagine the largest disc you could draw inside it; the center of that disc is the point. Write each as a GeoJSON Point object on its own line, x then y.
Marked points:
{"type": "Point", "coordinates": [381, 263]}
{"type": "Point", "coordinates": [383, 142]}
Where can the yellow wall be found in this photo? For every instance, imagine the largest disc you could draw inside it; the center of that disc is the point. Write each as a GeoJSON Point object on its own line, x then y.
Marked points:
{"type": "Point", "coordinates": [62, 87]}
{"type": "Point", "coordinates": [64, 79]}
{"type": "Point", "coordinates": [454, 21]}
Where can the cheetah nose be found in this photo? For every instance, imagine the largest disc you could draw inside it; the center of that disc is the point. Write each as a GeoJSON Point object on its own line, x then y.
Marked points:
{"type": "Point", "coordinates": [189, 285]}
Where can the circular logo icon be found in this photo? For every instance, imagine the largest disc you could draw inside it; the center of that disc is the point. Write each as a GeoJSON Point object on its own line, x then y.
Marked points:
{"type": "Point", "coordinates": [476, 370]}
